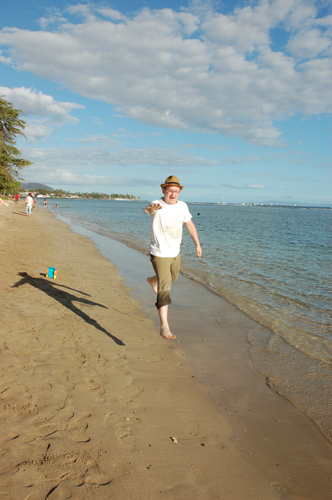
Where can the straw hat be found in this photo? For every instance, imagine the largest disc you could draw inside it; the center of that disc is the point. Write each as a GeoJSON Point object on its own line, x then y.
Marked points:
{"type": "Point", "coordinates": [172, 180]}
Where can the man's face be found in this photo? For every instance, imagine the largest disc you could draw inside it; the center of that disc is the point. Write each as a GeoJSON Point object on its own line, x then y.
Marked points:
{"type": "Point", "coordinates": [171, 194]}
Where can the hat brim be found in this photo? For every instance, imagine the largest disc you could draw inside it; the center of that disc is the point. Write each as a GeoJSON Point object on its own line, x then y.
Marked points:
{"type": "Point", "coordinates": [172, 184]}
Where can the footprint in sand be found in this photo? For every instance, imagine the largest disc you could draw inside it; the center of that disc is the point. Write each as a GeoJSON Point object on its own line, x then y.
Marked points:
{"type": "Point", "coordinates": [124, 431]}
{"type": "Point", "coordinates": [109, 420]}
{"type": "Point", "coordinates": [63, 417]}
{"type": "Point", "coordinates": [94, 476]}
{"type": "Point", "coordinates": [92, 385]}
{"type": "Point", "coordinates": [50, 475]}
{"type": "Point", "coordinates": [47, 429]}
{"type": "Point", "coordinates": [119, 365]}
{"type": "Point", "coordinates": [77, 427]}
{"type": "Point", "coordinates": [46, 424]}
{"type": "Point", "coordinates": [131, 392]}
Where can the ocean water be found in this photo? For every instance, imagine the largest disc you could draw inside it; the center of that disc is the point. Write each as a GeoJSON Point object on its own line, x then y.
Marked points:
{"type": "Point", "coordinates": [273, 263]}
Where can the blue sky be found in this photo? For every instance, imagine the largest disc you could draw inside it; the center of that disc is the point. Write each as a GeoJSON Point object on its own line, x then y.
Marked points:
{"type": "Point", "coordinates": [232, 97]}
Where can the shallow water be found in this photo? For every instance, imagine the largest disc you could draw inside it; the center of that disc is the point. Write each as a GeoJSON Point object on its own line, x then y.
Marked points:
{"type": "Point", "coordinates": [273, 263]}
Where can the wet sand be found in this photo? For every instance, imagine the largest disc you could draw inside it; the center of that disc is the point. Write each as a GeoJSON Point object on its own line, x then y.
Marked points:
{"type": "Point", "coordinates": [91, 396]}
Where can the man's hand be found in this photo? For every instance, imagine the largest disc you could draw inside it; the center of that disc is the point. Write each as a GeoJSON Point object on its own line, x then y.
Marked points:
{"type": "Point", "coordinates": [153, 207]}
{"type": "Point", "coordinates": [199, 251]}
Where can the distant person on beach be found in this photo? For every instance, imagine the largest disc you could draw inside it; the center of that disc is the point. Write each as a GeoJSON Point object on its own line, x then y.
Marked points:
{"type": "Point", "coordinates": [17, 198]}
{"type": "Point", "coordinates": [28, 204]}
{"type": "Point", "coordinates": [45, 203]}
{"type": "Point", "coordinates": [167, 217]}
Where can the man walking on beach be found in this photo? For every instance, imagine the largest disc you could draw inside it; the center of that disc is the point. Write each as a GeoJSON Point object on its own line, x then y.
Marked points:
{"type": "Point", "coordinates": [168, 214]}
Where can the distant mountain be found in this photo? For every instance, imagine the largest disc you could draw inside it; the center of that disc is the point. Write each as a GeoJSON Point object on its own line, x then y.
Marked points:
{"type": "Point", "coordinates": [35, 186]}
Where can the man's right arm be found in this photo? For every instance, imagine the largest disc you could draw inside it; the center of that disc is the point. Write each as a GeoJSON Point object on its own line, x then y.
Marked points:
{"type": "Point", "coordinates": [190, 226]}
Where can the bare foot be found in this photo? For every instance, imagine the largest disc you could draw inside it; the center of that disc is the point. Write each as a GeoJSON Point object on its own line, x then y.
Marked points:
{"type": "Point", "coordinates": [153, 282]}
{"type": "Point", "coordinates": [166, 333]}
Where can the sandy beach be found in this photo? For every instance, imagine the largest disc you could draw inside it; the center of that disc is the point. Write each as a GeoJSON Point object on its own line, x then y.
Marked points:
{"type": "Point", "coordinates": [94, 404]}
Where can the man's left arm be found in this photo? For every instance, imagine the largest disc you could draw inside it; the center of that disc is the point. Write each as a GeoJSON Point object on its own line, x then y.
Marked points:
{"type": "Point", "coordinates": [191, 228]}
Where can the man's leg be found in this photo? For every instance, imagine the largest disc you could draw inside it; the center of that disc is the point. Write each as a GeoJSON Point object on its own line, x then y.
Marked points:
{"type": "Point", "coordinates": [167, 270]}
{"type": "Point", "coordinates": [175, 267]}
{"type": "Point", "coordinates": [153, 280]}
{"type": "Point", "coordinates": [165, 330]}
{"type": "Point", "coordinates": [162, 311]}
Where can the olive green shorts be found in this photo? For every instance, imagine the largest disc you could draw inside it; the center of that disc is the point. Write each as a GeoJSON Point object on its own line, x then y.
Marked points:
{"type": "Point", "coordinates": [167, 270]}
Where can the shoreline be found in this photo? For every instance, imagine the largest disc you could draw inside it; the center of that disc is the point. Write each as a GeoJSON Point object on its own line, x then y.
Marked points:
{"type": "Point", "coordinates": [134, 267]}
{"type": "Point", "coordinates": [306, 333]}
{"type": "Point", "coordinates": [91, 395]}
{"type": "Point", "coordinates": [290, 373]}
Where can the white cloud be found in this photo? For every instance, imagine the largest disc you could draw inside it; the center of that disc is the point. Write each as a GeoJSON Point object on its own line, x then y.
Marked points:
{"type": "Point", "coordinates": [81, 10]}
{"type": "Point", "coordinates": [124, 134]}
{"type": "Point", "coordinates": [37, 129]}
{"type": "Point", "coordinates": [63, 177]}
{"type": "Point", "coordinates": [97, 121]}
{"type": "Point", "coordinates": [100, 157]}
{"type": "Point", "coordinates": [42, 113]}
{"type": "Point", "coordinates": [302, 15]}
{"type": "Point", "coordinates": [308, 44]}
{"type": "Point", "coordinates": [36, 103]}
{"type": "Point", "coordinates": [239, 186]}
{"type": "Point", "coordinates": [92, 139]}
{"type": "Point", "coordinates": [324, 21]}
{"type": "Point", "coordinates": [112, 14]}
{"type": "Point", "coordinates": [53, 17]}
{"type": "Point", "coordinates": [5, 60]}
{"type": "Point", "coordinates": [255, 186]}
{"type": "Point", "coordinates": [213, 147]}
{"type": "Point", "coordinates": [197, 70]}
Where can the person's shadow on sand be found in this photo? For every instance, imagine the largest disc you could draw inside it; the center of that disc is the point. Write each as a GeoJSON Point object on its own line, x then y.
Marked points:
{"type": "Point", "coordinates": [20, 213]}
{"type": "Point", "coordinates": [66, 299]}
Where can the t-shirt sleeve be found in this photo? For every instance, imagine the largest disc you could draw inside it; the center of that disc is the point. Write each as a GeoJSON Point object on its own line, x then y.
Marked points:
{"type": "Point", "coordinates": [187, 215]}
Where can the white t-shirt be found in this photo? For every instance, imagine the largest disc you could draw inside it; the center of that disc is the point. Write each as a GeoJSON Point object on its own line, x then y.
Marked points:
{"type": "Point", "coordinates": [166, 228]}
{"type": "Point", "coordinates": [28, 201]}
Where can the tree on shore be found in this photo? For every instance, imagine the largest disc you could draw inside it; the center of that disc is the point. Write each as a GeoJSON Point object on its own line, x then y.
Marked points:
{"type": "Point", "coordinates": [11, 162]}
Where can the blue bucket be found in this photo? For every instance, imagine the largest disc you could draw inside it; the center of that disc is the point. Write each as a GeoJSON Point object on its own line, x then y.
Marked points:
{"type": "Point", "coordinates": [51, 272]}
